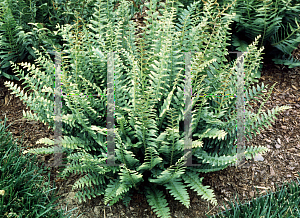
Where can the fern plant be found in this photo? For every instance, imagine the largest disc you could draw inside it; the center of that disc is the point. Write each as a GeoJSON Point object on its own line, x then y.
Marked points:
{"type": "Point", "coordinates": [15, 37]}
{"type": "Point", "coordinates": [276, 21]}
{"type": "Point", "coordinates": [149, 101]}
{"type": "Point", "coordinates": [12, 39]}
{"type": "Point", "coordinates": [24, 24]}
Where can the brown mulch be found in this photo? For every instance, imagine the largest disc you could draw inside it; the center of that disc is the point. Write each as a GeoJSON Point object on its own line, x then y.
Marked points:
{"type": "Point", "coordinates": [280, 164]}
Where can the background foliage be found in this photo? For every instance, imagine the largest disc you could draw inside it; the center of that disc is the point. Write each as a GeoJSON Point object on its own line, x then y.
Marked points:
{"type": "Point", "coordinates": [26, 24]}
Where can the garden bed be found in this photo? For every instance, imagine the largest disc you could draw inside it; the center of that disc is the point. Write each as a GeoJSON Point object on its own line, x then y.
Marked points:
{"type": "Point", "coordinates": [279, 165]}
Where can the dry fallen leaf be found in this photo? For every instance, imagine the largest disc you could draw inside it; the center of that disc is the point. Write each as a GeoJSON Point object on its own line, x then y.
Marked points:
{"type": "Point", "coordinates": [268, 140]}
{"type": "Point", "coordinates": [251, 194]}
{"type": "Point", "coordinates": [6, 99]}
{"type": "Point", "coordinates": [294, 87]}
{"type": "Point", "coordinates": [272, 171]}
{"type": "Point", "coordinates": [2, 192]}
{"type": "Point", "coordinates": [287, 139]}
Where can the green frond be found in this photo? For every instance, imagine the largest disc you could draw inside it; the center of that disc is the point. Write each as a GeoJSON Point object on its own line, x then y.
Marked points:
{"type": "Point", "coordinates": [185, 28]}
{"type": "Point", "coordinates": [207, 168]}
{"type": "Point", "coordinates": [172, 148]}
{"type": "Point", "coordinates": [264, 120]}
{"type": "Point", "coordinates": [166, 176]}
{"type": "Point", "coordinates": [212, 133]}
{"type": "Point", "coordinates": [173, 172]}
{"type": "Point", "coordinates": [151, 159]}
{"type": "Point", "coordinates": [167, 101]}
{"type": "Point", "coordinates": [46, 141]}
{"type": "Point", "coordinates": [252, 93]}
{"type": "Point", "coordinates": [129, 178]}
{"type": "Point", "coordinates": [113, 187]}
{"type": "Point", "coordinates": [14, 42]}
{"type": "Point", "coordinates": [240, 45]}
{"type": "Point", "coordinates": [215, 161]}
{"type": "Point", "coordinates": [125, 156]}
{"type": "Point", "coordinates": [286, 42]}
{"type": "Point", "coordinates": [73, 142]}
{"type": "Point", "coordinates": [193, 181]}
{"type": "Point", "coordinates": [89, 180]}
{"type": "Point", "coordinates": [197, 144]}
{"type": "Point", "coordinates": [252, 60]}
{"type": "Point", "coordinates": [30, 116]}
{"type": "Point", "coordinates": [42, 151]}
{"type": "Point", "coordinates": [275, 21]}
{"type": "Point", "coordinates": [86, 193]}
{"type": "Point", "coordinates": [157, 201]}
{"type": "Point", "coordinates": [178, 190]}
{"type": "Point", "coordinates": [291, 62]}
{"type": "Point", "coordinates": [250, 152]}
{"type": "Point", "coordinates": [88, 164]}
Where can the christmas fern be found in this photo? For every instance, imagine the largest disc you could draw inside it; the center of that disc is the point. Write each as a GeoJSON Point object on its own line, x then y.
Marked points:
{"type": "Point", "coordinates": [149, 101]}
{"type": "Point", "coordinates": [276, 21]}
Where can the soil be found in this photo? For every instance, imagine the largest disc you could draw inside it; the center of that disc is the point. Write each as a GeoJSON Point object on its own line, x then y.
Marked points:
{"type": "Point", "coordinates": [277, 166]}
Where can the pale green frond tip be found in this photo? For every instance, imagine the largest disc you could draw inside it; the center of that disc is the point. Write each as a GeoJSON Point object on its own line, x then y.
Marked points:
{"type": "Point", "coordinates": [46, 141]}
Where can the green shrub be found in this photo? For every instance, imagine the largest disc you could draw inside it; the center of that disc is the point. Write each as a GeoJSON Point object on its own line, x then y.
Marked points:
{"type": "Point", "coordinates": [149, 101]}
